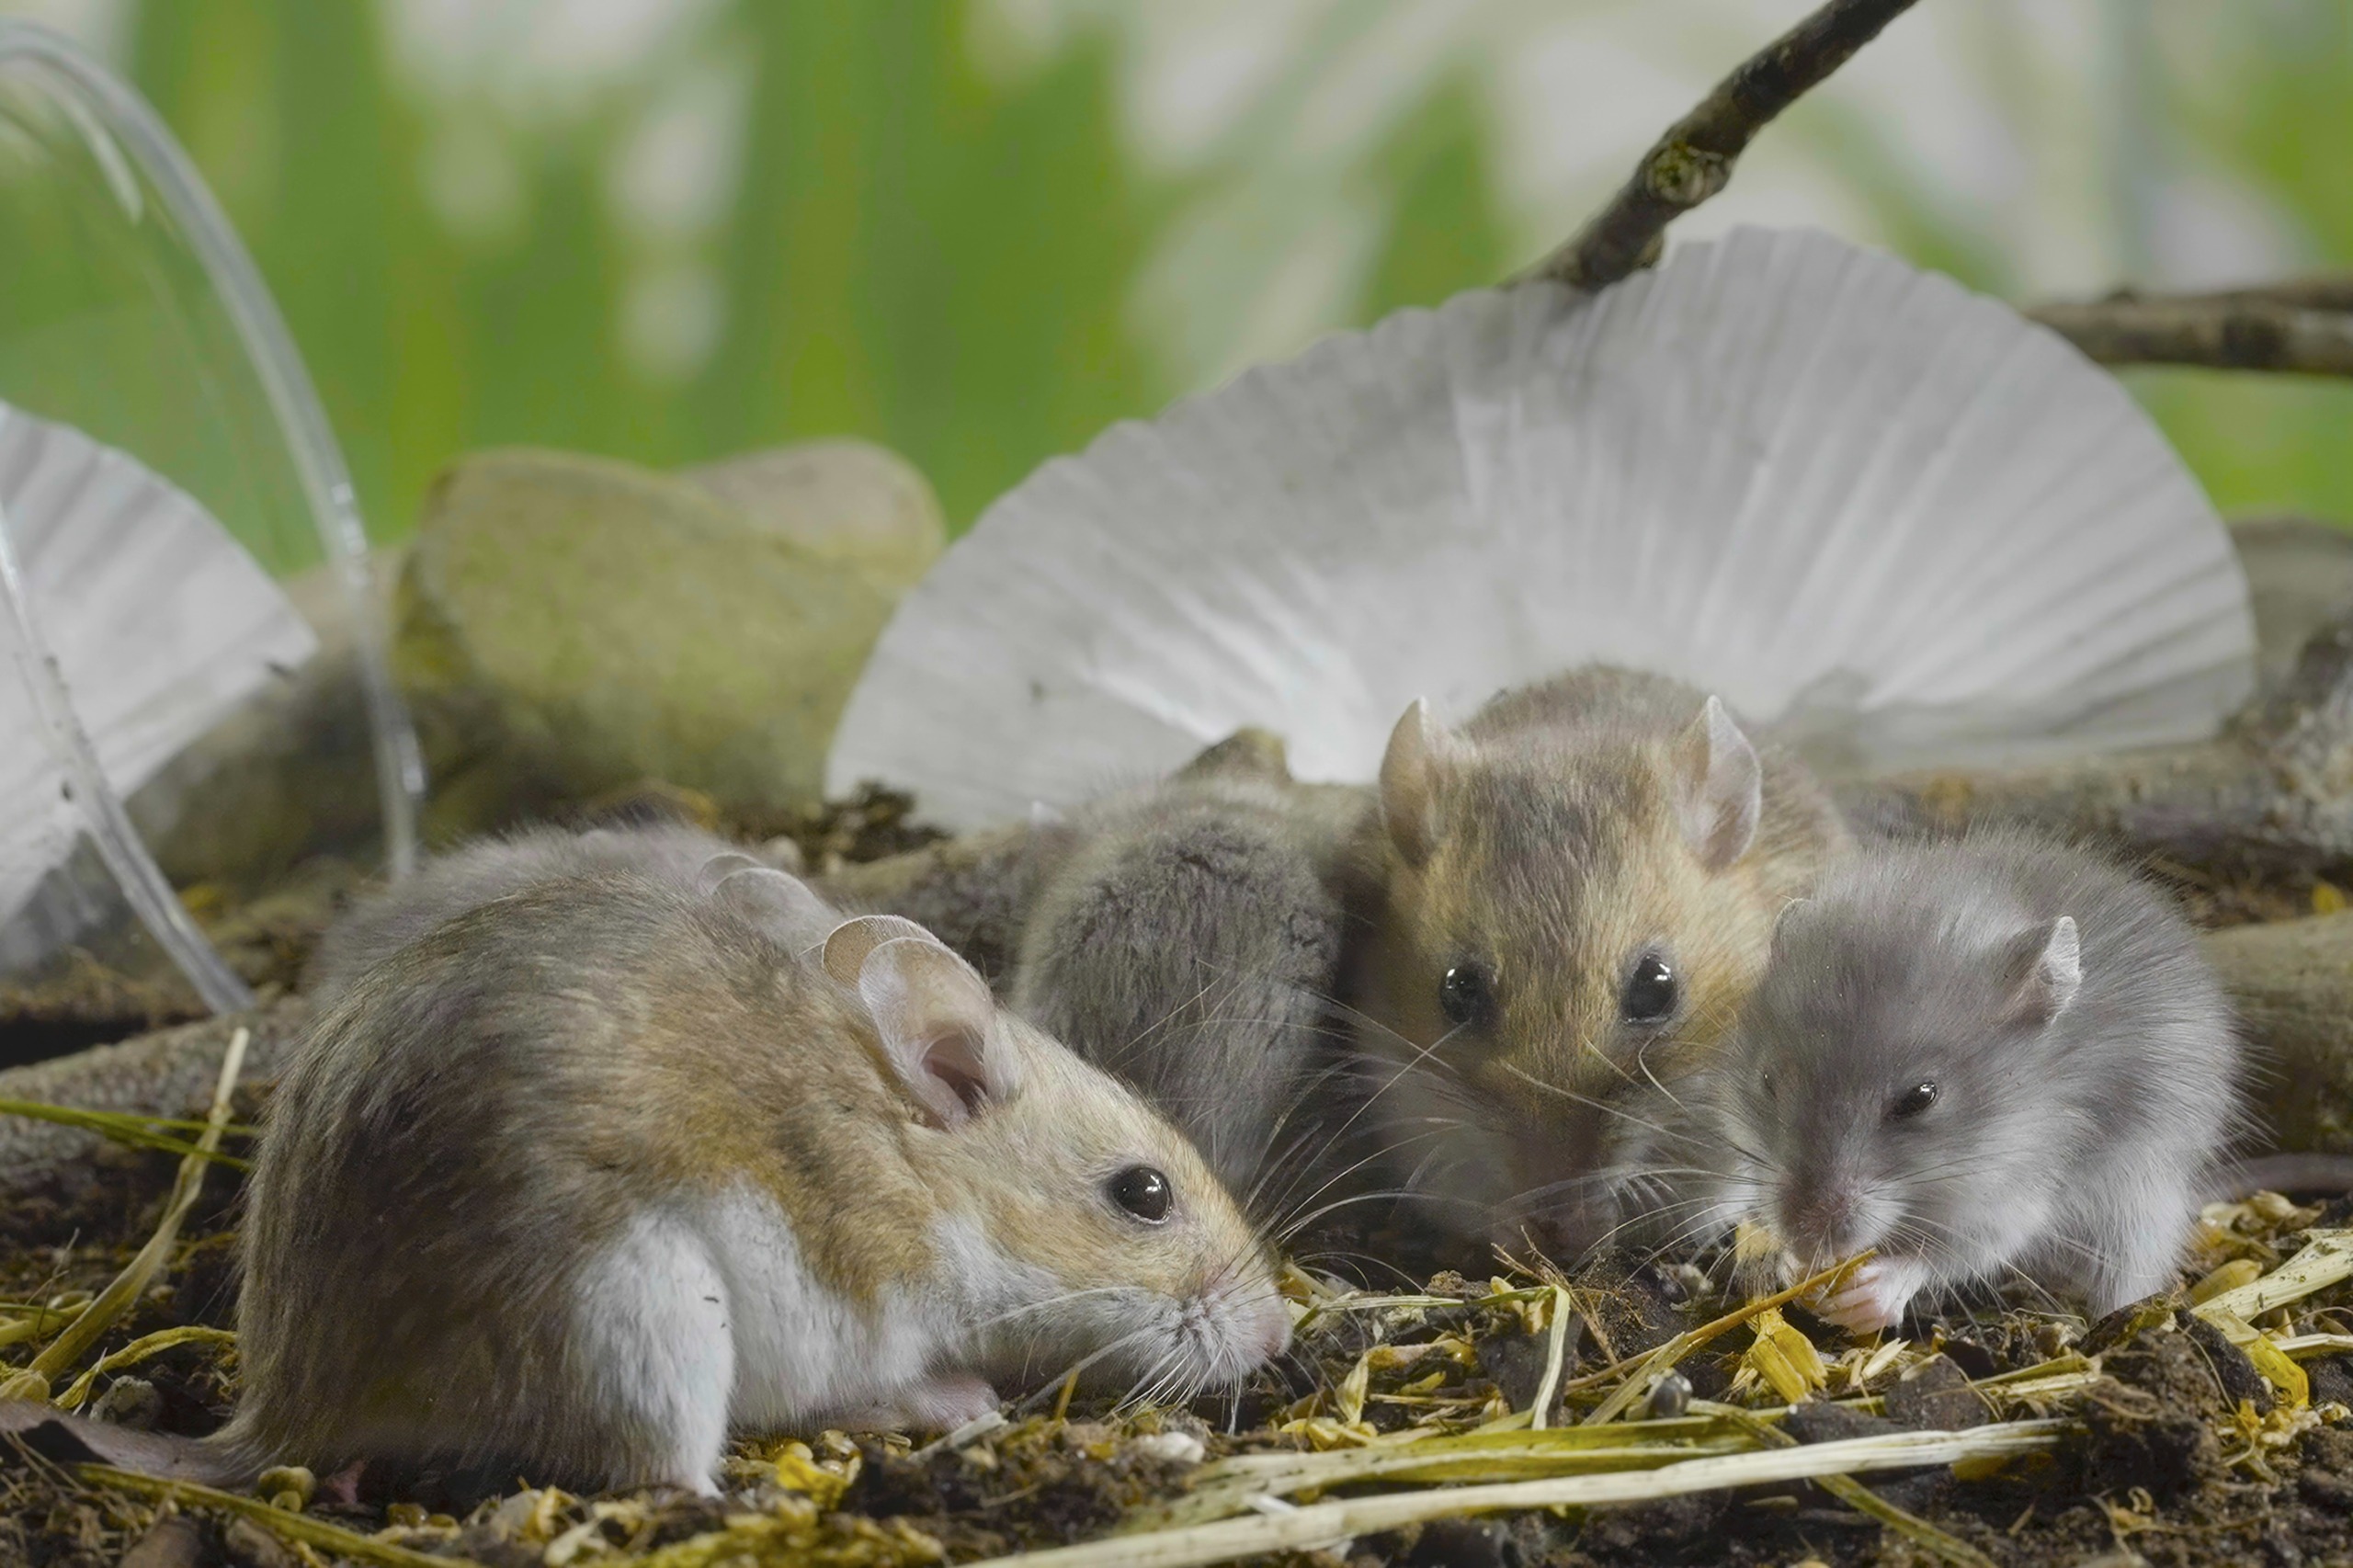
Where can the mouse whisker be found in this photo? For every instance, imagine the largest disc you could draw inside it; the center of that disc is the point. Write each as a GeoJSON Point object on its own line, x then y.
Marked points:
{"type": "Point", "coordinates": [1056, 1300]}
{"type": "Point", "coordinates": [1380, 1264]}
{"type": "Point", "coordinates": [1281, 1221]}
{"type": "Point", "coordinates": [1111, 1348]}
{"type": "Point", "coordinates": [1390, 1194]}
{"type": "Point", "coordinates": [1602, 1105]}
{"type": "Point", "coordinates": [1704, 1217]}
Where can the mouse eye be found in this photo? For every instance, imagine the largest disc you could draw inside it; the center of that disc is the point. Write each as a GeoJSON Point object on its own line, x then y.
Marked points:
{"type": "Point", "coordinates": [1912, 1102]}
{"type": "Point", "coordinates": [1143, 1192]}
{"type": "Point", "coordinates": [1651, 991]}
{"type": "Point", "coordinates": [1466, 995]}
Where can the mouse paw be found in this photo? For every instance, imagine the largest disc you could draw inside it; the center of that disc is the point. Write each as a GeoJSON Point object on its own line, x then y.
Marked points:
{"type": "Point", "coordinates": [938, 1403]}
{"type": "Point", "coordinates": [1873, 1297]}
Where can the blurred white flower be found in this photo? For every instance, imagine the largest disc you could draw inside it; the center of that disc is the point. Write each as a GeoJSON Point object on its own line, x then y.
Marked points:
{"type": "Point", "coordinates": [670, 317]}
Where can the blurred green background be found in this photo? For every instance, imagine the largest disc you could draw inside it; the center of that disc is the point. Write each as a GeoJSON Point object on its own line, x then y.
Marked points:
{"type": "Point", "coordinates": [978, 231]}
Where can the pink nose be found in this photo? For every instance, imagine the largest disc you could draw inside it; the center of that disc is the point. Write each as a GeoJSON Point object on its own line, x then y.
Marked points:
{"type": "Point", "coordinates": [1269, 1330]}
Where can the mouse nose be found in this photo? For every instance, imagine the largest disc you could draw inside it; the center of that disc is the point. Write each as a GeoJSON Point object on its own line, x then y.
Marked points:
{"type": "Point", "coordinates": [1254, 1314]}
{"type": "Point", "coordinates": [1565, 1232]}
{"type": "Point", "coordinates": [1273, 1328]}
{"type": "Point", "coordinates": [1820, 1216]}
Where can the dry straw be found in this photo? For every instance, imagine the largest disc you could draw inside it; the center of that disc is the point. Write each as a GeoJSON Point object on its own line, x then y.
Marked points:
{"type": "Point", "coordinates": [76, 1339]}
{"type": "Point", "coordinates": [1323, 1524]}
{"type": "Point", "coordinates": [279, 1521]}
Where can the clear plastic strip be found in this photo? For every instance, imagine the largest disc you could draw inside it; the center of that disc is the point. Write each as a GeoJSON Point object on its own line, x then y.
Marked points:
{"type": "Point", "coordinates": [150, 895]}
{"type": "Point", "coordinates": [116, 110]}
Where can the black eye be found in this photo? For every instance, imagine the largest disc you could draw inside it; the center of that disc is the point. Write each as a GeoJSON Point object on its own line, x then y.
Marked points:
{"type": "Point", "coordinates": [1912, 1102]}
{"type": "Point", "coordinates": [1467, 996]}
{"type": "Point", "coordinates": [1143, 1192]}
{"type": "Point", "coordinates": [1650, 991]}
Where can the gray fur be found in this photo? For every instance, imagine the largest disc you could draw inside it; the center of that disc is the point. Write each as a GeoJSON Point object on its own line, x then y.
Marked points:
{"type": "Point", "coordinates": [2075, 1150]}
{"type": "Point", "coordinates": [1187, 939]}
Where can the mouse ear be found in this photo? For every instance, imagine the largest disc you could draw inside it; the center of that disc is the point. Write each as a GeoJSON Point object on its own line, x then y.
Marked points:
{"type": "Point", "coordinates": [938, 1022]}
{"type": "Point", "coordinates": [2046, 969]}
{"type": "Point", "coordinates": [1719, 788]}
{"type": "Point", "coordinates": [1249, 752]}
{"type": "Point", "coordinates": [720, 867]}
{"type": "Point", "coordinates": [1409, 781]}
{"type": "Point", "coordinates": [848, 943]}
{"type": "Point", "coordinates": [778, 902]}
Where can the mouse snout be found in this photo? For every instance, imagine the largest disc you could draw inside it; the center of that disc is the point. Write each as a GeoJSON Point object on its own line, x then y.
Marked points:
{"type": "Point", "coordinates": [1249, 1314]}
{"type": "Point", "coordinates": [1563, 1231]}
{"type": "Point", "coordinates": [1266, 1326]}
{"type": "Point", "coordinates": [1818, 1216]}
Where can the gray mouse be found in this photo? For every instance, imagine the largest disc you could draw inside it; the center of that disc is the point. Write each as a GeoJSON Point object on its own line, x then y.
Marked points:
{"type": "Point", "coordinates": [1186, 937]}
{"type": "Point", "coordinates": [590, 1173]}
{"type": "Point", "coordinates": [1988, 1055]}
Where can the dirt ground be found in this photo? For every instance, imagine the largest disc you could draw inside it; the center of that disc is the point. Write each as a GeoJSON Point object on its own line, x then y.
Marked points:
{"type": "Point", "coordinates": [2176, 1448]}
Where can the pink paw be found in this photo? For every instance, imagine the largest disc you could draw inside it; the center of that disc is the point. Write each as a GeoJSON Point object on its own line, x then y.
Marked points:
{"type": "Point", "coordinates": [1872, 1298]}
{"type": "Point", "coordinates": [940, 1404]}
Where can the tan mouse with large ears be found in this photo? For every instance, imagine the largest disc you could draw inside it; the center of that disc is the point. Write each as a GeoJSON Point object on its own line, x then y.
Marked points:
{"type": "Point", "coordinates": [584, 1177]}
{"type": "Point", "coordinates": [1566, 899]}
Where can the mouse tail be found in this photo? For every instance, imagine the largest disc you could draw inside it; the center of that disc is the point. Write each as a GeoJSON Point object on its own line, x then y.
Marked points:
{"type": "Point", "coordinates": [229, 1458]}
{"type": "Point", "coordinates": [1887, 518]}
{"type": "Point", "coordinates": [2290, 1174]}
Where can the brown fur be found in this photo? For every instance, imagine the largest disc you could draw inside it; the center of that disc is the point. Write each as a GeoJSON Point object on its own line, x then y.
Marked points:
{"type": "Point", "coordinates": [1555, 856]}
{"type": "Point", "coordinates": [474, 1117]}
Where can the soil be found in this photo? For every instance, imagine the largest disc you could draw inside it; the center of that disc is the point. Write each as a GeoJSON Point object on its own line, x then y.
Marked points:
{"type": "Point", "coordinates": [2177, 1453]}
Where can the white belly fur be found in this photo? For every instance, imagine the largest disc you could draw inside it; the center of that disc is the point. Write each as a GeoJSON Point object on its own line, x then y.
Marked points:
{"type": "Point", "coordinates": [803, 1348]}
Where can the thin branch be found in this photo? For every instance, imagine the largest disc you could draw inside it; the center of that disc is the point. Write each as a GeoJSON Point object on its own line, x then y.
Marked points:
{"type": "Point", "coordinates": [1694, 159]}
{"type": "Point", "coordinates": [2306, 327]}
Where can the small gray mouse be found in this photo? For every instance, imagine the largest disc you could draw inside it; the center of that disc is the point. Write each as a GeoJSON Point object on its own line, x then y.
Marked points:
{"type": "Point", "coordinates": [1992, 1054]}
{"type": "Point", "coordinates": [587, 1174]}
{"type": "Point", "coordinates": [1187, 937]}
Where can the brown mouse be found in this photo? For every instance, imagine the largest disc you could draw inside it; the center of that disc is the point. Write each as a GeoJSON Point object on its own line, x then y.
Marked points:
{"type": "Point", "coordinates": [586, 1175]}
{"type": "Point", "coordinates": [1564, 902]}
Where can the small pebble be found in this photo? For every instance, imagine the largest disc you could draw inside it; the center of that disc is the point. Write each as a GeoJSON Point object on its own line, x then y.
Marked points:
{"type": "Point", "coordinates": [1177, 1448]}
{"type": "Point", "coordinates": [131, 1402]}
{"type": "Point", "coordinates": [1670, 1396]}
{"type": "Point", "coordinates": [176, 1541]}
{"type": "Point", "coordinates": [250, 1546]}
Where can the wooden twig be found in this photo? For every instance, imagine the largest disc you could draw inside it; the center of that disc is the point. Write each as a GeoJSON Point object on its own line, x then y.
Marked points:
{"type": "Point", "coordinates": [1694, 159]}
{"type": "Point", "coordinates": [2272, 795]}
{"type": "Point", "coordinates": [2304, 327]}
